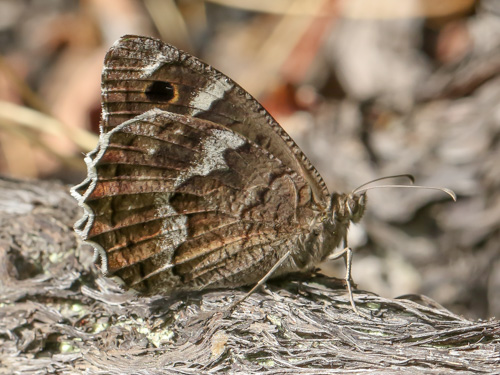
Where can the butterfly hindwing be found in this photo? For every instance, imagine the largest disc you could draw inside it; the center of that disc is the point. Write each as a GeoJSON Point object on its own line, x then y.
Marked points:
{"type": "Point", "coordinates": [175, 202]}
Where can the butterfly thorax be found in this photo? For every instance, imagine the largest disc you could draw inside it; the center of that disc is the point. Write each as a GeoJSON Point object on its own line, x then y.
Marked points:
{"type": "Point", "coordinates": [328, 230]}
{"type": "Point", "coordinates": [344, 209]}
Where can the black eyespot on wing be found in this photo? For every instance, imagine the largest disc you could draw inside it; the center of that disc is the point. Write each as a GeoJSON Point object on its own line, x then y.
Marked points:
{"type": "Point", "coordinates": [160, 91]}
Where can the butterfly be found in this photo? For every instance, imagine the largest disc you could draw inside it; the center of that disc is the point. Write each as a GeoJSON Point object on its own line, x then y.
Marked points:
{"type": "Point", "coordinates": [194, 185]}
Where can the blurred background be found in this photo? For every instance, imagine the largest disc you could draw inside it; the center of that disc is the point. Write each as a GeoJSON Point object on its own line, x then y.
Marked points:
{"type": "Point", "coordinates": [366, 88]}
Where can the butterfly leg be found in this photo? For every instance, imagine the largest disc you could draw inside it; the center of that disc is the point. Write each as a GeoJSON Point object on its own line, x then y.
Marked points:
{"type": "Point", "coordinates": [347, 255]}
{"type": "Point", "coordinates": [261, 281]}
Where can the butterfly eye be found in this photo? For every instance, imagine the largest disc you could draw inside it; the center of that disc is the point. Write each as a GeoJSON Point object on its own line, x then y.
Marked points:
{"type": "Point", "coordinates": [351, 207]}
{"type": "Point", "coordinates": [362, 200]}
{"type": "Point", "coordinates": [160, 91]}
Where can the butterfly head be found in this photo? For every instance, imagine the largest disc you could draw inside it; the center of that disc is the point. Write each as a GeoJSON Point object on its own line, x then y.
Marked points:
{"type": "Point", "coordinates": [348, 207]}
{"type": "Point", "coordinates": [351, 207]}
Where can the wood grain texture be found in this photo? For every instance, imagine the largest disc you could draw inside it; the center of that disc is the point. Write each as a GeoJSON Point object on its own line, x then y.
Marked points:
{"type": "Point", "coordinates": [58, 314]}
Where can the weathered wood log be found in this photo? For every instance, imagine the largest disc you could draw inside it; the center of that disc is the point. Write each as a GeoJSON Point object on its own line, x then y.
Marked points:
{"type": "Point", "coordinates": [57, 315]}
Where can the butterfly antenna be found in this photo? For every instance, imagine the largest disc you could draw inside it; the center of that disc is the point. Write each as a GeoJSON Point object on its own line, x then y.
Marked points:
{"type": "Point", "coordinates": [408, 176]}
{"type": "Point", "coordinates": [364, 187]}
{"type": "Point", "coordinates": [450, 192]}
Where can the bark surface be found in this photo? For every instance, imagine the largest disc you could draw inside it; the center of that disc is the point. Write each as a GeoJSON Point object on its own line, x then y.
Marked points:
{"type": "Point", "coordinates": [58, 315]}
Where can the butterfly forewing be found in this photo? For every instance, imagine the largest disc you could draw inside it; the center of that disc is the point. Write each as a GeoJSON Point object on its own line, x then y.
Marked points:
{"type": "Point", "coordinates": [143, 73]}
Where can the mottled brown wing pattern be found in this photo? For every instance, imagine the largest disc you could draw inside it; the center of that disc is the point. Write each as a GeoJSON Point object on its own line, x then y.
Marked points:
{"type": "Point", "coordinates": [175, 202]}
{"type": "Point", "coordinates": [142, 73]}
{"type": "Point", "coordinates": [194, 185]}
